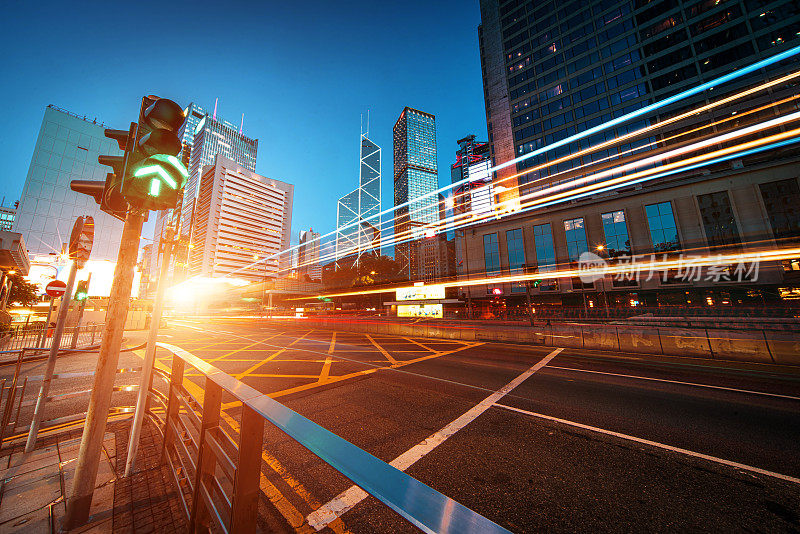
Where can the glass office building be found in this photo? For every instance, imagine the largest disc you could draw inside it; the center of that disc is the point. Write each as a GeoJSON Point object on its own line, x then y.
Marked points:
{"type": "Point", "coordinates": [552, 69]}
{"type": "Point", "coordinates": [415, 175]}
{"type": "Point", "coordinates": [66, 149]}
{"type": "Point", "coordinates": [212, 135]}
{"type": "Point", "coordinates": [358, 223]}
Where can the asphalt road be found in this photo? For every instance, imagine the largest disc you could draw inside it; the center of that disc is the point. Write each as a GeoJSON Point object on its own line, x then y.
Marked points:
{"type": "Point", "coordinates": [589, 441]}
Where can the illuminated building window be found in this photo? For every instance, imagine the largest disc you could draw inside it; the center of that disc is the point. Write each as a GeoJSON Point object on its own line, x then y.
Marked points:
{"type": "Point", "coordinates": [663, 231]}
{"type": "Point", "coordinates": [576, 238]}
{"type": "Point", "coordinates": [616, 232]}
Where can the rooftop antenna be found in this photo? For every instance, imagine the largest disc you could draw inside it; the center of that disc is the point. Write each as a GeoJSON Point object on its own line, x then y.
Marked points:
{"type": "Point", "coordinates": [241, 125]}
{"type": "Point", "coordinates": [361, 125]}
{"type": "Point", "coordinates": [367, 132]}
{"type": "Point", "coordinates": [215, 108]}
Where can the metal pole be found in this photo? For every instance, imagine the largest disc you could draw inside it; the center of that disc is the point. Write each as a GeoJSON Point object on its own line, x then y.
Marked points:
{"type": "Point", "coordinates": [528, 301]}
{"type": "Point", "coordinates": [150, 355]}
{"type": "Point", "coordinates": [40, 342]}
{"type": "Point", "coordinates": [80, 315]}
{"type": "Point", "coordinates": [63, 308]}
{"type": "Point", "coordinates": [94, 429]}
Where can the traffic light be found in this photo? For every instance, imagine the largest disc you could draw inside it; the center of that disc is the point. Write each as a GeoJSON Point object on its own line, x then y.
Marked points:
{"type": "Point", "coordinates": [148, 175]}
{"type": "Point", "coordinates": [108, 194]}
{"type": "Point", "coordinates": [154, 177]}
{"type": "Point", "coordinates": [82, 291]}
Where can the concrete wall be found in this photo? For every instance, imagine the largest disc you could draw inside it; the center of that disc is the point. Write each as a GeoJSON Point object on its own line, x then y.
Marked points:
{"type": "Point", "coordinates": [756, 346]}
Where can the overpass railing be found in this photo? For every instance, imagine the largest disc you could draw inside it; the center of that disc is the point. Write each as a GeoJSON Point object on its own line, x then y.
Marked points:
{"type": "Point", "coordinates": [217, 475]}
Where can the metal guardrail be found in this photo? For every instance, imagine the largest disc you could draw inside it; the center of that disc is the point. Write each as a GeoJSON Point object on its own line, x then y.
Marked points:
{"type": "Point", "coordinates": [40, 336]}
{"type": "Point", "coordinates": [13, 402]}
{"type": "Point", "coordinates": [217, 477]}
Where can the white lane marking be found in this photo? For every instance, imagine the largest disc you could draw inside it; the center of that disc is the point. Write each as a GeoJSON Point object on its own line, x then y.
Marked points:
{"type": "Point", "coordinates": [190, 326]}
{"type": "Point", "coordinates": [346, 500]}
{"type": "Point", "coordinates": [695, 384]}
{"type": "Point", "coordinates": [620, 435]}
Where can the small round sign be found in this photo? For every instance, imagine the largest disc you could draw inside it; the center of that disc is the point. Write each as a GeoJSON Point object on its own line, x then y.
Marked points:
{"type": "Point", "coordinates": [56, 288]}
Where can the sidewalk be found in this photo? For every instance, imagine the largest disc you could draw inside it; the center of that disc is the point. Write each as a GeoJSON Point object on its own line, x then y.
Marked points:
{"type": "Point", "coordinates": [35, 486]}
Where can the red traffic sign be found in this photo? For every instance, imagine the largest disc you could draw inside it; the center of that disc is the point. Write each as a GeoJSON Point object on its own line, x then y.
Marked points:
{"type": "Point", "coordinates": [80, 242]}
{"type": "Point", "coordinates": [56, 288]}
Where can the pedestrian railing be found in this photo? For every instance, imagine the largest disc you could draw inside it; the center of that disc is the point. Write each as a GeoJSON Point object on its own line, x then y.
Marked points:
{"type": "Point", "coordinates": [217, 475]}
{"type": "Point", "coordinates": [40, 335]}
{"type": "Point", "coordinates": [19, 390]}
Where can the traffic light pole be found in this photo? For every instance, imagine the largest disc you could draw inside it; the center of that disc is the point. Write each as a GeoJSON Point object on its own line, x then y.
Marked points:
{"type": "Point", "coordinates": [41, 338]}
{"type": "Point", "coordinates": [80, 315]}
{"type": "Point", "coordinates": [63, 308]}
{"type": "Point", "coordinates": [150, 354]}
{"type": "Point", "coordinates": [94, 429]}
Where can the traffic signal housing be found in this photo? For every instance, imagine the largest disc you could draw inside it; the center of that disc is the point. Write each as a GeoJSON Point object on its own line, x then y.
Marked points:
{"type": "Point", "coordinates": [82, 291]}
{"type": "Point", "coordinates": [109, 194]}
{"type": "Point", "coordinates": [154, 177]}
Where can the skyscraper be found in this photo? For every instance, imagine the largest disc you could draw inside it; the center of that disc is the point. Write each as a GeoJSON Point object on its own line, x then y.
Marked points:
{"type": "Point", "coordinates": [415, 175]}
{"type": "Point", "coordinates": [7, 216]}
{"type": "Point", "coordinates": [213, 135]}
{"type": "Point", "coordinates": [554, 71]}
{"type": "Point", "coordinates": [308, 254]}
{"type": "Point", "coordinates": [358, 223]}
{"type": "Point", "coordinates": [551, 69]}
{"type": "Point", "coordinates": [222, 138]}
{"type": "Point", "coordinates": [473, 163]}
{"type": "Point", "coordinates": [242, 221]}
{"type": "Point", "coordinates": [66, 150]}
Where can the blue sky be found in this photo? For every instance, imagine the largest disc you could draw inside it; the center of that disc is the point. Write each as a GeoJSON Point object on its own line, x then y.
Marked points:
{"type": "Point", "coordinates": [302, 74]}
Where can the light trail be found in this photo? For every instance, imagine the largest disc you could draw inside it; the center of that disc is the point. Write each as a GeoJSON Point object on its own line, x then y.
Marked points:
{"type": "Point", "coordinates": [657, 105]}
{"type": "Point", "coordinates": [442, 224]}
{"type": "Point", "coordinates": [619, 268]}
{"type": "Point", "coordinates": [450, 224]}
{"type": "Point", "coordinates": [724, 155]}
{"type": "Point", "coordinates": [586, 133]}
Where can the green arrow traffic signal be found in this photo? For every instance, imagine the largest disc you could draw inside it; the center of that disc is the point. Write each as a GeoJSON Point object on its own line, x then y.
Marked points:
{"type": "Point", "coordinates": [82, 291]}
{"type": "Point", "coordinates": [157, 181]}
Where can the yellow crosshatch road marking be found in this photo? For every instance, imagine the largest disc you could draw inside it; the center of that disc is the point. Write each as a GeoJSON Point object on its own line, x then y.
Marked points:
{"type": "Point", "coordinates": [333, 343]}
{"type": "Point", "coordinates": [253, 375]}
{"type": "Point", "coordinates": [231, 353]}
{"type": "Point", "coordinates": [417, 343]}
{"type": "Point", "coordinates": [333, 379]}
{"type": "Point", "coordinates": [383, 351]}
{"type": "Point", "coordinates": [326, 369]}
{"type": "Point", "coordinates": [278, 353]}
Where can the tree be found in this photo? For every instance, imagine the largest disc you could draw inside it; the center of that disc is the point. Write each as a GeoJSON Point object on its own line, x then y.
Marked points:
{"type": "Point", "coordinates": [371, 270]}
{"type": "Point", "coordinates": [23, 292]}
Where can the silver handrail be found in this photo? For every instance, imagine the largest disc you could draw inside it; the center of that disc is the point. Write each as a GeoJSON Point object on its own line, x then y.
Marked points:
{"type": "Point", "coordinates": [194, 441]}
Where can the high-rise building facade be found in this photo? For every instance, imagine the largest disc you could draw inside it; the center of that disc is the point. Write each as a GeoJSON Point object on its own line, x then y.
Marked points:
{"type": "Point", "coordinates": [243, 221]}
{"type": "Point", "coordinates": [472, 163]}
{"type": "Point", "coordinates": [554, 70]}
{"type": "Point", "coordinates": [66, 149]}
{"type": "Point", "coordinates": [222, 138]}
{"type": "Point", "coordinates": [358, 221]}
{"type": "Point", "coordinates": [7, 216]}
{"type": "Point", "coordinates": [308, 254]}
{"type": "Point", "coordinates": [212, 136]}
{"type": "Point", "coordinates": [415, 175]}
